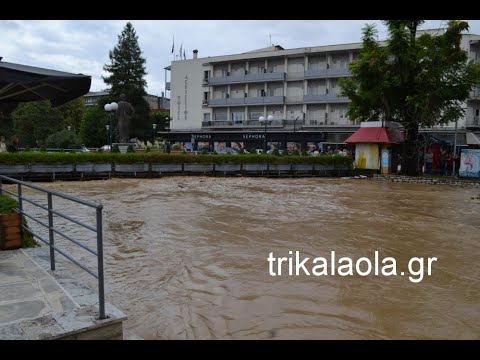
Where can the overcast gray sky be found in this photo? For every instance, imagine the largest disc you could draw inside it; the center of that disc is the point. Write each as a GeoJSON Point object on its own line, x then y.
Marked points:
{"type": "Point", "coordinates": [82, 46]}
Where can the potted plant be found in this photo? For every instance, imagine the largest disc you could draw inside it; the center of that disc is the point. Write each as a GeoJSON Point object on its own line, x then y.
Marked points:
{"type": "Point", "coordinates": [10, 226]}
{"type": "Point", "coordinates": [10, 229]}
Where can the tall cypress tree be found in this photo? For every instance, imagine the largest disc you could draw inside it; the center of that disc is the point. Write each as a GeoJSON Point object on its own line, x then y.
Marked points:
{"type": "Point", "coordinates": [127, 76]}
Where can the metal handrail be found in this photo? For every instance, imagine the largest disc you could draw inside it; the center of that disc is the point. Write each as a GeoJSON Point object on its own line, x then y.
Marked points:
{"type": "Point", "coordinates": [98, 229]}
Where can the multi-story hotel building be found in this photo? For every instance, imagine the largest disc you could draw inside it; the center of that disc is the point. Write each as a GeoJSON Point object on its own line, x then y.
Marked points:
{"type": "Point", "coordinates": [221, 98]}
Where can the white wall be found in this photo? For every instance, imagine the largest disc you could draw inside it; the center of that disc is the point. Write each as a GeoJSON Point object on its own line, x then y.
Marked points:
{"type": "Point", "coordinates": [187, 94]}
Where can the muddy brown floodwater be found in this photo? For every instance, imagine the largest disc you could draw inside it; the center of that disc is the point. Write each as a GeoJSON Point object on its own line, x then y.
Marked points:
{"type": "Point", "coordinates": [186, 257]}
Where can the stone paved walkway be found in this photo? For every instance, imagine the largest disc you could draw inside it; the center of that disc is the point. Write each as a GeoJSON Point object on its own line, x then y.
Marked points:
{"type": "Point", "coordinates": [33, 305]}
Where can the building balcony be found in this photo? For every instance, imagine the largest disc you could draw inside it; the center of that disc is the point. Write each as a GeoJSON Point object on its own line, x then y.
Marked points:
{"type": "Point", "coordinates": [236, 79]}
{"type": "Point", "coordinates": [325, 73]}
{"type": "Point", "coordinates": [292, 76]}
{"type": "Point", "coordinates": [325, 98]}
{"type": "Point", "coordinates": [473, 121]}
{"type": "Point", "coordinates": [244, 124]}
{"type": "Point", "coordinates": [259, 100]}
{"type": "Point", "coordinates": [297, 99]}
{"type": "Point", "coordinates": [475, 94]}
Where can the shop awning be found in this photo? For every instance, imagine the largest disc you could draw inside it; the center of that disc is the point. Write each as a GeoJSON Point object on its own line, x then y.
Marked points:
{"type": "Point", "coordinates": [473, 138]}
{"type": "Point", "coordinates": [376, 135]}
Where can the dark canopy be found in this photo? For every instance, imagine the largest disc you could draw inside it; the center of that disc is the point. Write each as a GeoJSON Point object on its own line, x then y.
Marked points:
{"type": "Point", "coordinates": [22, 83]}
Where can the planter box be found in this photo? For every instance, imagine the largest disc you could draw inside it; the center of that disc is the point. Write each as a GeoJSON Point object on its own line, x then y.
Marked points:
{"type": "Point", "coordinates": [131, 168]}
{"type": "Point", "coordinates": [279, 168]}
{"type": "Point", "coordinates": [94, 167]}
{"type": "Point", "coordinates": [198, 168]}
{"type": "Point", "coordinates": [228, 168]}
{"type": "Point", "coordinates": [303, 168]}
{"type": "Point", "coordinates": [167, 168]}
{"type": "Point", "coordinates": [254, 167]}
{"type": "Point", "coordinates": [14, 169]}
{"type": "Point", "coordinates": [51, 168]}
{"type": "Point", "coordinates": [10, 231]}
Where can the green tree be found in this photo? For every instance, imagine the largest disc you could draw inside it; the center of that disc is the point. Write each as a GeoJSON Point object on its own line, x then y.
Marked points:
{"type": "Point", "coordinates": [162, 119]}
{"type": "Point", "coordinates": [64, 139]}
{"type": "Point", "coordinates": [92, 129]}
{"type": "Point", "coordinates": [127, 76]}
{"type": "Point", "coordinates": [418, 81]}
{"type": "Point", "coordinates": [34, 121]}
{"type": "Point", "coordinates": [6, 126]}
{"type": "Point", "coordinates": [72, 113]}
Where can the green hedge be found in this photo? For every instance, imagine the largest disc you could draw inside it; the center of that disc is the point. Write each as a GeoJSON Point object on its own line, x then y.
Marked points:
{"type": "Point", "coordinates": [153, 157]}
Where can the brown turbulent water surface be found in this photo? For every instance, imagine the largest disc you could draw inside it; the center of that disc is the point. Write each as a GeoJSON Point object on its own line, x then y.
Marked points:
{"type": "Point", "coordinates": [186, 257]}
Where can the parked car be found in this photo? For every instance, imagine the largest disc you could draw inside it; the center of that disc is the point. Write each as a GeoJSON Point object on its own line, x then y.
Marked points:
{"type": "Point", "coordinates": [227, 150]}
{"type": "Point", "coordinates": [270, 152]}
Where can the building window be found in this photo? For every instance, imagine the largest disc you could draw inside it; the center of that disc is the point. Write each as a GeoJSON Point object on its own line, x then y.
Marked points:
{"type": "Point", "coordinates": [342, 113]}
{"type": "Point", "coordinates": [261, 70]}
{"type": "Point", "coordinates": [314, 115]}
{"type": "Point", "coordinates": [224, 72]}
{"type": "Point", "coordinates": [255, 115]}
{"type": "Point", "coordinates": [206, 117]}
{"type": "Point", "coordinates": [272, 68]}
{"type": "Point", "coordinates": [238, 117]}
{"type": "Point", "coordinates": [220, 116]}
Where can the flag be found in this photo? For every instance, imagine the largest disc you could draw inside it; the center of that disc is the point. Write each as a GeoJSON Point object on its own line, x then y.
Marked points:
{"type": "Point", "coordinates": [184, 57]}
{"type": "Point", "coordinates": [173, 45]}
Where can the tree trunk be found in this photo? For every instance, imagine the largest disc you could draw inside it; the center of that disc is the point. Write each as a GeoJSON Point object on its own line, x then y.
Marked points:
{"type": "Point", "coordinates": [410, 152]}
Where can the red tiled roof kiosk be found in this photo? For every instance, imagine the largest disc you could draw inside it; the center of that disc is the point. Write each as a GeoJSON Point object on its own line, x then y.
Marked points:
{"type": "Point", "coordinates": [370, 139]}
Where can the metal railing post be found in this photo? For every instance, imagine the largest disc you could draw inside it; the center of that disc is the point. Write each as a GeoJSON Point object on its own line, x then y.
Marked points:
{"type": "Point", "coordinates": [20, 203]}
{"type": "Point", "coordinates": [50, 232]}
{"type": "Point", "coordinates": [101, 288]}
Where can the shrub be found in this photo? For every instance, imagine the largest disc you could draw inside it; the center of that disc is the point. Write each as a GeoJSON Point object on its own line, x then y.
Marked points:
{"type": "Point", "coordinates": [116, 149]}
{"type": "Point", "coordinates": [64, 139]}
{"type": "Point", "coordinates": [43, 148]}
{"type": "Point", "coordinates": [130, 149]}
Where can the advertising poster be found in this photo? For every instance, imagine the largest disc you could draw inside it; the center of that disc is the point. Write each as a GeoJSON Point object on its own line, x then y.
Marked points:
{"type": "Point", "coordinates": [470, 163]}
{"type": "Point", "coordinates": [367, 156]}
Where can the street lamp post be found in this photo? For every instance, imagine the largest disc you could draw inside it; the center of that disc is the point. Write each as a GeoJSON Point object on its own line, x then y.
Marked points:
{"type": "Point", "coordinates": [154, 126]}
{"type": "Point", "coordinates": [265, 121]}
{"type": "Point", "coordinates": [108, 134]}
{"type": "Point", "coordinates": [167, 140]}
{"type": "Point", "coordinates": [110, 108]}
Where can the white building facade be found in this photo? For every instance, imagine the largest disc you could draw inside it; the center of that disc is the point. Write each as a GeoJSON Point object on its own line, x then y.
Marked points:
{"type": "Point", "coordinates": [222, 98]}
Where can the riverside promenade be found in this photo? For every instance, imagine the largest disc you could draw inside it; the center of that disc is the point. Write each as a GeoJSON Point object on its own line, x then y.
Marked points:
{"type": "Point", "coordinates": [40, 304]}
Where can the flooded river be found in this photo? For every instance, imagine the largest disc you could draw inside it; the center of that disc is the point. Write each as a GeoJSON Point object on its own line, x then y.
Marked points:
{"type": "Point", "coordinates": [186, 257]}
